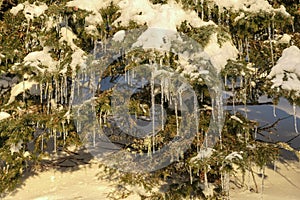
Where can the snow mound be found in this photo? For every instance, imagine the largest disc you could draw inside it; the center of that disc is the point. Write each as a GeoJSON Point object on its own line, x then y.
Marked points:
{"type": "Point", "coordinates": [286, 73]}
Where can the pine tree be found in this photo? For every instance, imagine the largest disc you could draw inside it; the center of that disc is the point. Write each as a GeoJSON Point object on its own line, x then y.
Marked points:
{"type": "Point", "coordinates": [47, 51]}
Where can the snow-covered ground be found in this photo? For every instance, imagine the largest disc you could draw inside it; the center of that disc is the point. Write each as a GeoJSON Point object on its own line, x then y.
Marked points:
{"type": "Point", "coordinates": [83, 182]}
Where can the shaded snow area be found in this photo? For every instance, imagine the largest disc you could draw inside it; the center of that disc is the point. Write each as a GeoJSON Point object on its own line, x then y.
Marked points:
{"type": "Point", "coordinates": [286, 73]}
{"type": "Point", "coordinates": [282, 114]}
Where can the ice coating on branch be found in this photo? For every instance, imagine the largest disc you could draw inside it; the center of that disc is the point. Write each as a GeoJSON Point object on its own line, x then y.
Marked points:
{"type": "Point", "coordinates": [286, 73]}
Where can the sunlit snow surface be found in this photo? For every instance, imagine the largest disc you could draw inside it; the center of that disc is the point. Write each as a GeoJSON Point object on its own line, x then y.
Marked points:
{"type": "Point", "coordinates": [286, 73]}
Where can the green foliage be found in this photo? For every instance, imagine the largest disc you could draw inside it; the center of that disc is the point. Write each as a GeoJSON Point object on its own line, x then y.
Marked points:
{"type": "Point", "coordinates": [25, 136]}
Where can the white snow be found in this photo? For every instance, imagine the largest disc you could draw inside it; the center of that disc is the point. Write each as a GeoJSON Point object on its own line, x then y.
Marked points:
{"type": "Point", "coordinates": [154, 38]}
{"type": "Point", "coordinates": [19, 88]}
{"type": "Point", "coordinates": [68, 36]}
{"type": "Point", "coordinates": [78, 56]}
{"type": "Point", "coordinates": [40, 59]}
{"type": "Point", "coordinates": [78, 59]}
{"type": "Point", "coordinates": [14, 10]}
{"type": "Point", "coordinates": [236, 119]}
{"type": "Point", "coordinates": [15, 148]}
{"type": "Point", "coordinates": [119, 36]}
{"type": "Point", "coordinates": [253, 6]}
{"type": "Point", "coordinates": [4, 115]}
{"type": "Point", "coordinates": [30, 10]}
{"type": "Point", "coordinates": [1, 56]}
{"type": "Point", "coordinates": [234, 155]}
{"type": "Point", "coordinates": [166, 16]}
{"type": "Point", "coordinates": [91, 5]}
{"type": "Point", "coordinates": [286, 73]}
{"type": "Point", "coordinates": [219, 55]}
{"type": "Point", "coordinates": [285, 39]}
{"type": "Point", "coordinates": [33, 10]}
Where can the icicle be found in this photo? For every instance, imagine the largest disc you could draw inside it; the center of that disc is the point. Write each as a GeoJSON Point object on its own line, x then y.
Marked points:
{"type": "Point", "coordinates": [54, 141]}
{"type": "Point", "coordinates": [274, 163]}
{"type": "Point", "coordinates": [219, 103]}
{"type": "Point", "coordinates": [225, 81]}
{"type": "Point", "coordinates": [42, 144]}
{"type": "Point", "coordinates": [128, 78]}
{"type": "Point", "coordinates": [202, 10]}
{"type": "Point", "coordinates": [197, 122]}
{"type": "Point", "coordinates": [205, 179]}
{"type": "Point", "coordinates": [271, 45]}
{"type": "Point", "coordinates": [64, 132]}
{"type": "Point", "coordinates": [233, 97]}
{"type": "Point", "coordinates": [255, 132]}
{"type": "Point", "coordinates": [61, 90]}
{"type": "Point", "coordinates": [72, 89]}
{"type": "Point", "coordinates": [295, 117]}
{"type": "Point", "coordinates": [24, 90]}
{"type": "Point", "coordinates": [41, 92]}
{"type": "Point", "coordinates": [94, 136]}
{"type": "Point", "coordinates": [274, 110]}
{"type": "Point", "coordinates": [219, 15]}
{"type": "Point", "coordinates": [153, 110]}
{"type": "Point", "coordinates": [247, 49]}
{"type": "Point", "coordinates": [209, 13]}
{"type": "Point", "coordinates": [213, 109]}
{"type": "Point", "coordinates": [56, 90]}
{"type": "Point", "coordinates": [65, 88]}
{"type": "Point", "coordinates": [245, 100]}
{"type": "Point", "coordinates": [201, 96]}
{"type": "Point", "coordinates": [125, 76]}
{"type": "Point", "coordinates": [191, 175]}
{"type": "Point", "coordinates": [162, 103]}
{"type": "Point", "coordinates": [176, 115]}
{"type": "Point", "coordinates": [241, 81]}
{"type": "Point", "coordinates": [78, 124]}
{"type": "Point", "coordinates": [49, 90]}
